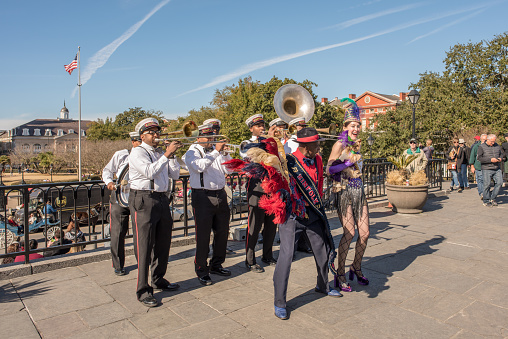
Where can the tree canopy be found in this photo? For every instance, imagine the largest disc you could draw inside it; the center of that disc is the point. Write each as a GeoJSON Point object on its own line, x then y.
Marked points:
{"type": "Point", "coordinates": [124, 123]}
{"type": "Point", "coordinates": [467, 99]}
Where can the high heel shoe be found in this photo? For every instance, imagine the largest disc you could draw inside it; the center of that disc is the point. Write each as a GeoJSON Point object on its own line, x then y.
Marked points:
{"type": "Point", "coordinates": [343, 286]}
{"type": "Point", "coordinates": [359, 276]}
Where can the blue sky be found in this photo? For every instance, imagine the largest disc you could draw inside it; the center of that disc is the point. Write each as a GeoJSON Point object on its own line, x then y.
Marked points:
{"type": "Point", "coordinates": [171, 55]}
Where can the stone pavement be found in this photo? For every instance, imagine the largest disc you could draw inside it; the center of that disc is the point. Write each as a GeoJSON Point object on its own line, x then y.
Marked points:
{"type": "Point", "coordinates": [440, 274]}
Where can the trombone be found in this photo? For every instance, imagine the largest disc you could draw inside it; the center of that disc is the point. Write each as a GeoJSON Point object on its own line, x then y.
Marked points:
{"type": "Point", "coordinates": [192, 142]}
{"type": "Point", "coordinates": [329, 133]}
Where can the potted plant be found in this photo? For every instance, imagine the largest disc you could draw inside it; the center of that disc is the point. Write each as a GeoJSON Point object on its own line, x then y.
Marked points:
{"type": "Point", "coordinates": [407, 191]}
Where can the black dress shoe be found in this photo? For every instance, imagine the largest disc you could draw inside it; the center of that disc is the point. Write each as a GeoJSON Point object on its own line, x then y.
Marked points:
{"type": "Point", "coordinates": [168, 287]}
{"type": "Point", "coordinates": [206, 280]}
{"type": "Point", "coordinates": [120, 272]}
{"type": "Point", "coordinates": [271, 261]}
{"type": "Point", "coordinates": [220, 271]}
{"type": "Point", "coordinates": [149, 301]}
{"type": "Point", "coordinates": [255, 268]}
{"type": "Point", "coordinates": [229, 250]}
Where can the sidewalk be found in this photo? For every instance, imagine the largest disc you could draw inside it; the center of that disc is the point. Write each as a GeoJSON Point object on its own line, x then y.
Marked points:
{"type": "Point", "coordinates": [442, 273]}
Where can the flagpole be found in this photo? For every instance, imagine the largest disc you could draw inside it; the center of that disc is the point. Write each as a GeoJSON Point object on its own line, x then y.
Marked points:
{"type": "Point", "coordinates": [79, 121]}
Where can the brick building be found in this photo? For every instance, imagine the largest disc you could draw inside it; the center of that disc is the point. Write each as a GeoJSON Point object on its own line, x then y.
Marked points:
{"type": "Point", "coordinates": [370, 104]}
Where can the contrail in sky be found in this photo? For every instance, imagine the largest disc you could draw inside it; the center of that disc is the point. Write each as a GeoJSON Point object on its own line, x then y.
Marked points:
{"type": "Point", "coordinates": [364, 18]}
{"type": "Point", "coordinates": [446, 26]}
{"type": "Point", "coordinates": [262, 64]}
{"type": "Point", "coordinates": [101, 57]}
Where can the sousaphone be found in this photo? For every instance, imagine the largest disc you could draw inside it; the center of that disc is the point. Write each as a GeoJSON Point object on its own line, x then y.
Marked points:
{"type": "Point", "coordinates": [293, 101]}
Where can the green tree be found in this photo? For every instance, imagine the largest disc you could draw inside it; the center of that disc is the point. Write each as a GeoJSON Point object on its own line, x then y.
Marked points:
{"type": "Point", "coordinates": [468, 98]}
{"type": "Point", "coordinates": [103, 130]}
{"type": "Point", "coordinates": [124, 123]}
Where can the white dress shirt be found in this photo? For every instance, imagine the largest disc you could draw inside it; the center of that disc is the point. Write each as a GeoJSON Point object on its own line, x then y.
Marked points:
{"type": "Point", "coordinates": [144, 167]}
{"type": "Point", "coordinates": [210, 164]}
{"type": "Point", "coordinates": [291, 145]}
{"type": "Point", "coordinates": [115, 166]}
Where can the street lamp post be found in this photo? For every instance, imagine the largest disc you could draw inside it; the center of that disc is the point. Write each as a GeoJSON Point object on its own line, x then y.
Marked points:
{"type": "Point", "coordinates": [51, 171]}
{"type": "Point", "coordinates": [22, 174]}
{"type": "Point", "coordinates": [1, 174]}
{"type": "Point", "coordinates": [414, 96]}
{"type": "Point", "coordinates": [370, 141]}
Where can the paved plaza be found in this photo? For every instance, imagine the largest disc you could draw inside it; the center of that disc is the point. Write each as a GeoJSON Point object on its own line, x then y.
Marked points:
{"type": "Point", "coordinates": [439, 274]}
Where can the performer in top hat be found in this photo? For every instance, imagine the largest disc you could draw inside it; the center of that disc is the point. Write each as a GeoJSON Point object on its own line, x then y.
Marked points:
{"type": "Point", "coordinates": [293, 196]}
{"type": "Point", "coordinates": [149, 172]}
{"type": "Point", "coordinates": [209, 203]}
{"type": "Point", "coordinates": [119, 215]}
{"type": "Point", "coordinates": [257, 218]}
{"type": "Point", "coordinates": [345, 168]}
{"type": "Point", "coordinates": [291, 145]}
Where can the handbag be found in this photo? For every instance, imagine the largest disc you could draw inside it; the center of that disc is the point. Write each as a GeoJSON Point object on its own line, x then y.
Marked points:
{"type": "Point", "coordinates": [451, 165]}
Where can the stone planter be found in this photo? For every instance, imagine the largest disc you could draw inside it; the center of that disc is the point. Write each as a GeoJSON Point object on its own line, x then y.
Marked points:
{"type": "Point", "coordinates": [407, 199]}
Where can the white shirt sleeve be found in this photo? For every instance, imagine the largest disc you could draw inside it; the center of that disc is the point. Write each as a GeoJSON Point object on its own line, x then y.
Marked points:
{"type": "Point", "coordinates": [174, 169]}
{"type": "Point", "coordinates": [223, 159]}
{"type": "Point", "coordinates": [109, 171]}
{"type": "Point", "coordinates": [113, 165]}
{"type": "Point", "coordinates": [199, 164]}
{"type": "Point", "coordinates": [140, 160]}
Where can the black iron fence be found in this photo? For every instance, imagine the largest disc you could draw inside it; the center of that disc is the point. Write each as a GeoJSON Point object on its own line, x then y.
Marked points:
{"type": "Point", "coordinates": [24, 215]}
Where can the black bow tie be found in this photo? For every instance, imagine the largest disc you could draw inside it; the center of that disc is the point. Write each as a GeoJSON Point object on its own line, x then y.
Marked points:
{"type": "Point", "coordinates": [309, 162]}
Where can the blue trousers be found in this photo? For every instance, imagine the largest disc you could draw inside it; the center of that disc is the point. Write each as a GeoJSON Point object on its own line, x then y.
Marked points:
{"type": "Point", "coordinates": [455, 178]}
{"type": "Point", "coordinates": [463, 182]}
{"type": "Point", "coordinates": [488, 175]}
{"type": "Point", "coordinates": [479, 181]}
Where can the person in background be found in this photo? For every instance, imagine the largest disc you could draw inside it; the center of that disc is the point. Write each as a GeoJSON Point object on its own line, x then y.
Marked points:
{"type": "Point", "coordinates": [12, 248]}
{"type": "Point", "coordinates": [420, 162]}
{"type": "Point", "coordinates": [462, 162]}
{"type": "Point", "coordinates": [49, 210]}
{"type": "Point", "coordinates": [476, 166]}
{"type": "Point", "coordinates": [491, 158]}
{"type": "Point", "coordinates": [291, 145]}
{"type": "Point", "coordinates": [504, 147]}
{"type": "Point", "coordinates": [33, 245]}
{"type": "Point", "coordinates": [57, 241]}
{"type": "Point", "coordinates": [428, 149]}
{"type": "Point", "coordinates": [452, 163]}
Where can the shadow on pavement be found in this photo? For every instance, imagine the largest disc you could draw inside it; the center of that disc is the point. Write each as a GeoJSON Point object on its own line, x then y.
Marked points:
{"type": "Point", "coordinates": [435, 203]}
{"type": "Point", "coordinates": [384, 266]}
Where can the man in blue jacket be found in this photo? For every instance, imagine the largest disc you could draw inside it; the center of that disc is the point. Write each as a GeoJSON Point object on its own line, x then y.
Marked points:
{"type": "Point", "coordinates": [491, 157]}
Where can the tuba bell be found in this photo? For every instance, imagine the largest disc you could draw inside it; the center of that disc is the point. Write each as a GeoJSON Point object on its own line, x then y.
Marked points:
{"type": "Point", "coordinates": [293, 101]}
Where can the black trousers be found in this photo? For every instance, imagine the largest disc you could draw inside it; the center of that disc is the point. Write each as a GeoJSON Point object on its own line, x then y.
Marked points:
{"type": "Point", "coordinates": [118, 227]}
{"type": "Point", "coordinates": [211, 213]}
{"type": "Point", "coordinates": [317, 235]}
{"type": "Point", "coordinates": [152, 231]}
{"type": "Point", "coordinates": [257, 218]}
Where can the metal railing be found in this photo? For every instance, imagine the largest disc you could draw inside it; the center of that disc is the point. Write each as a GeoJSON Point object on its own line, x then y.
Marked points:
{"type": "Point", "coordinates": [87, 196]}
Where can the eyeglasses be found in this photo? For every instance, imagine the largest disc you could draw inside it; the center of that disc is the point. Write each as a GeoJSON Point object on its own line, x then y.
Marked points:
{"type": "Point", "coordinates": [153, 132]}
{"type": "Point", "coordinates": [412, 142]}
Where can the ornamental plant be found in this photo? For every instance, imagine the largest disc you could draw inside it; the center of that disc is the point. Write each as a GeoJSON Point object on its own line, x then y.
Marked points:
{"type": "Point", "coordinates": [401, 176]}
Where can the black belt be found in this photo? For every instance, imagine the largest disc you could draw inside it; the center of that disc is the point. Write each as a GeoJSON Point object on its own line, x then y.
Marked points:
{"type": "Point", "coordinates": [150, 192]}
{"type": "Point", "coordinates": [204, 190]}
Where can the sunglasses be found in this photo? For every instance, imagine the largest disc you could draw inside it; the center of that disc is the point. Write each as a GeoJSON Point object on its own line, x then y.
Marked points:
{"type": "Point", "coordinates": [412, 142]}
{"type": "Point", "coordinates": [153, 132]}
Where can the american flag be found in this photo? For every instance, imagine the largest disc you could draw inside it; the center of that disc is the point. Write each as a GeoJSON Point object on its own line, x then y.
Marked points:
{"type": "Point", "coordinates": [72, 66]}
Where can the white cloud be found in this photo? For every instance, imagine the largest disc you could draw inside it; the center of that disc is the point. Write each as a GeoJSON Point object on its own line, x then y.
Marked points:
{"type": "Point", "coordinates": [269, 62]}
{"type": "Point", "coordinates": [100, 58]}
